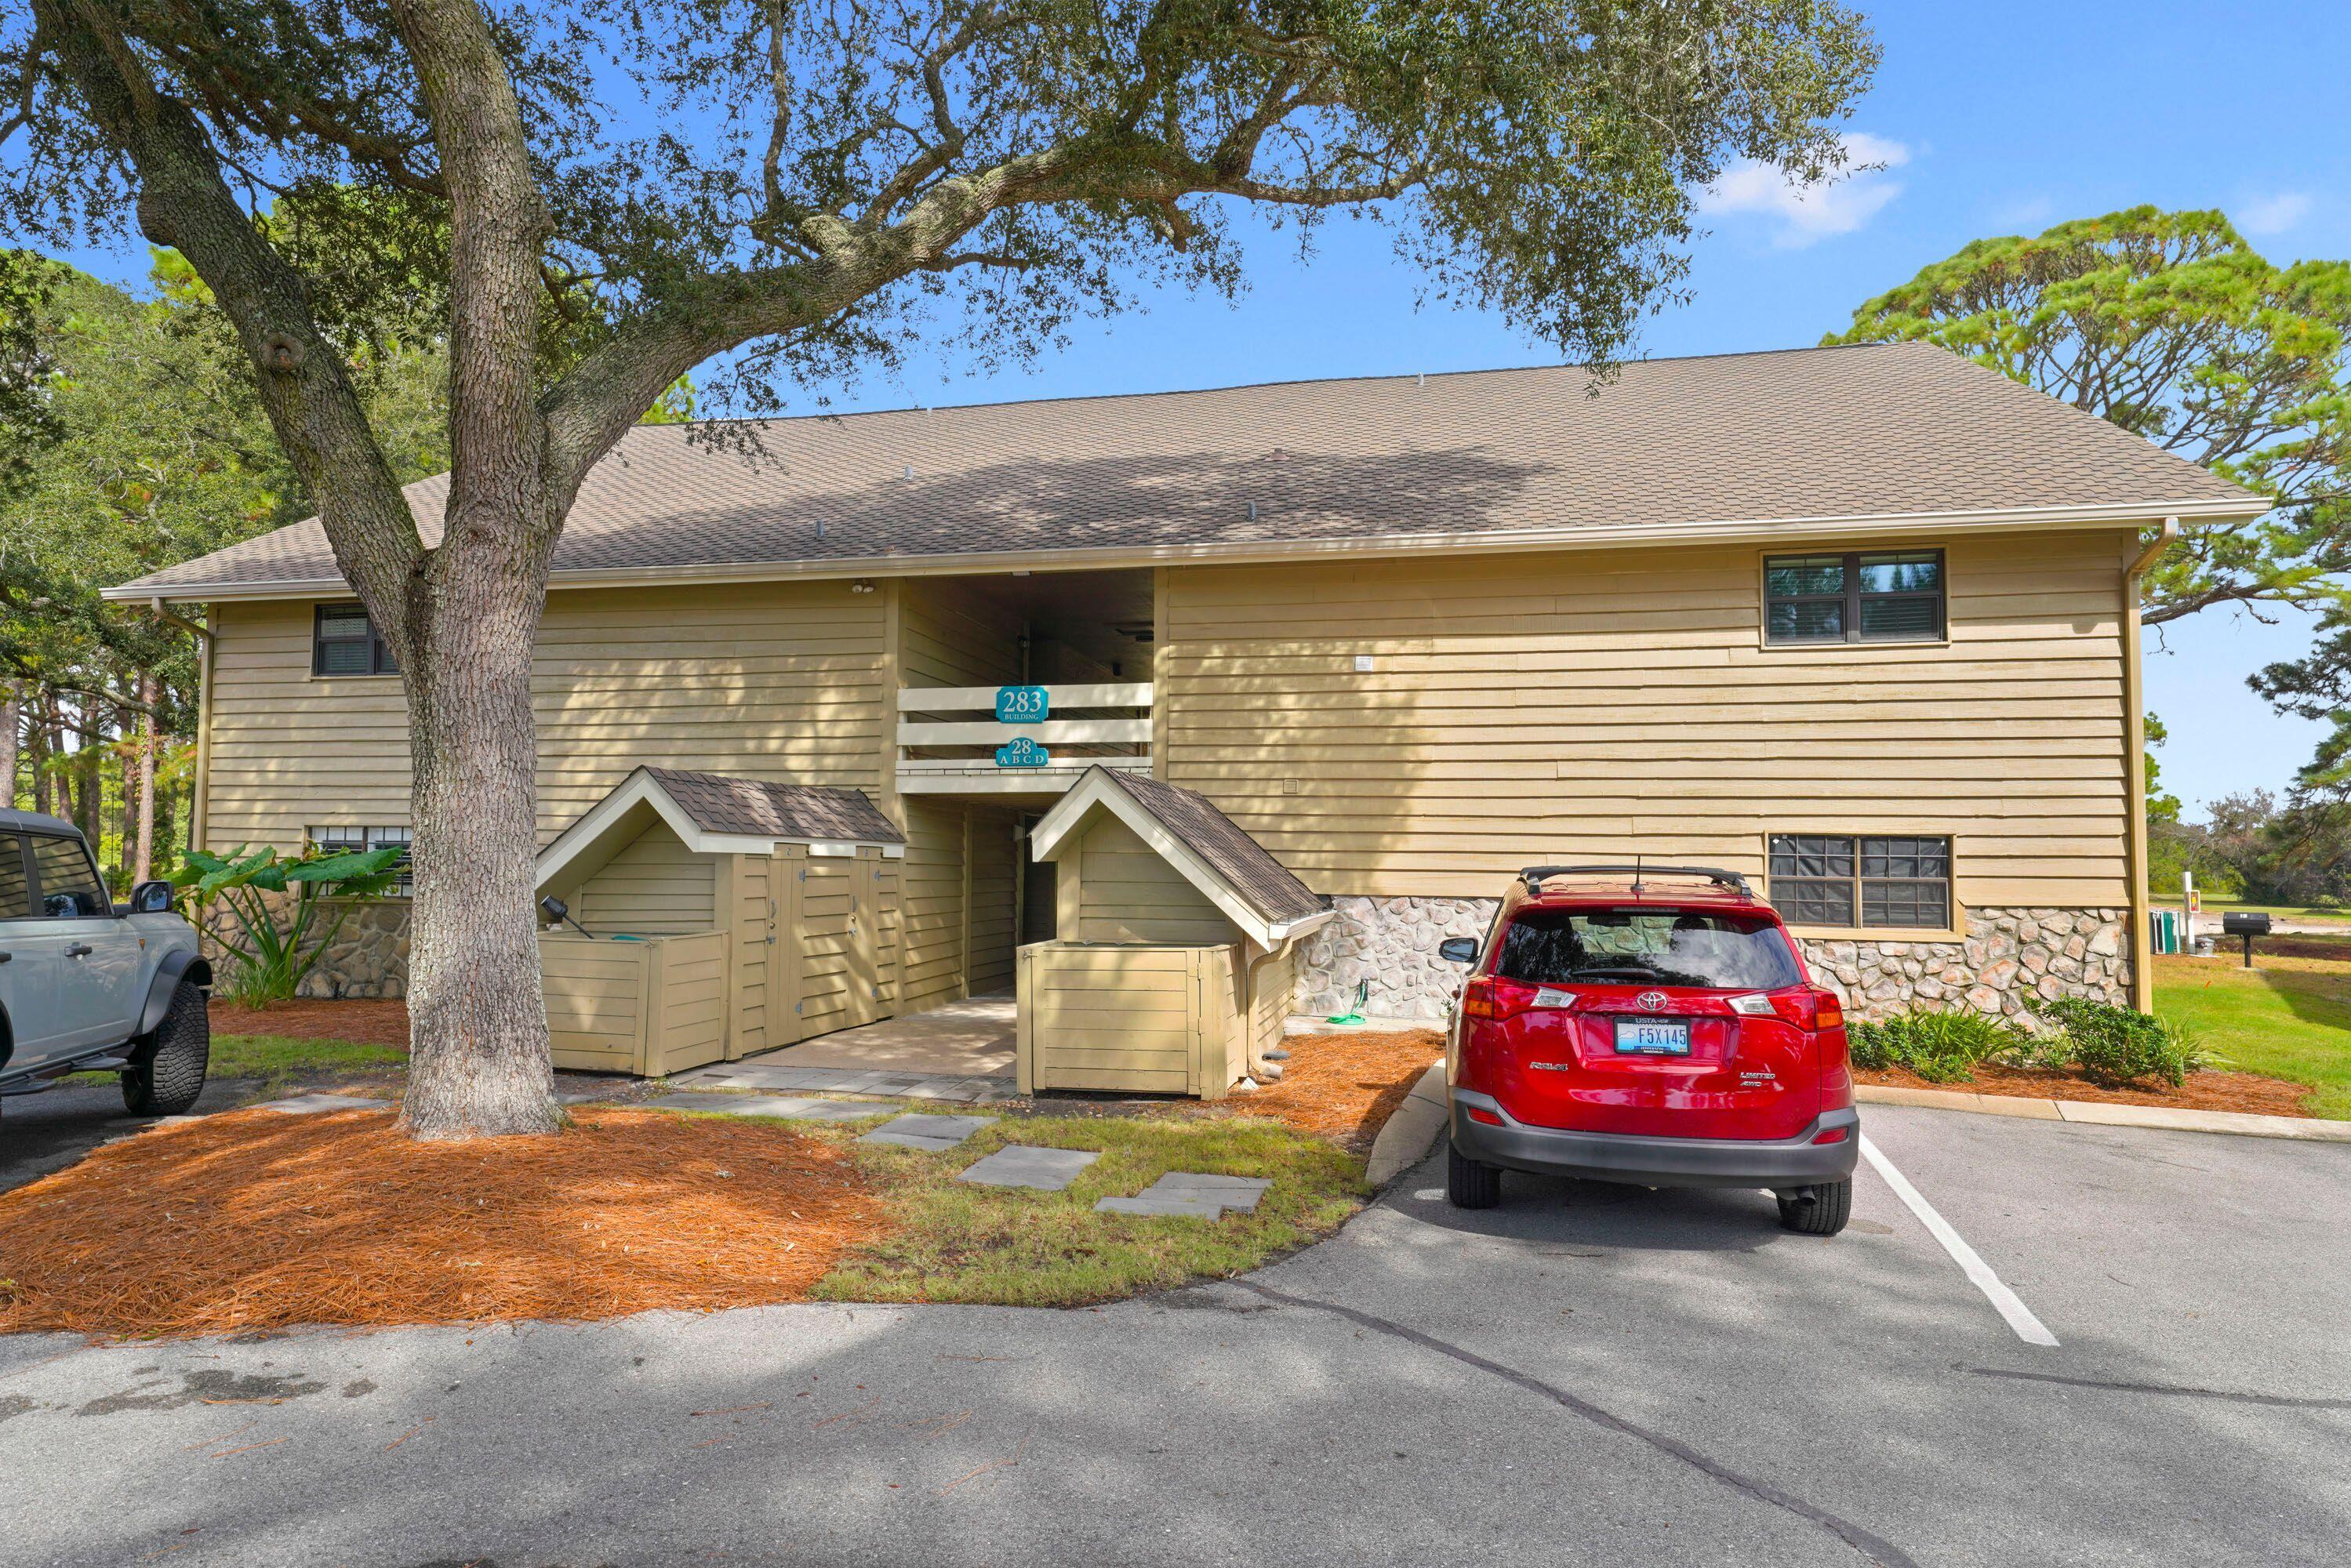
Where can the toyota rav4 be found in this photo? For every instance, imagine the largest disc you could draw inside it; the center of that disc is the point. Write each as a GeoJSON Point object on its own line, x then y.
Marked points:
{"type": "Point", "coordinates": [87, 984]}
{"type": "Point", "coordinates": [1656, 1027]}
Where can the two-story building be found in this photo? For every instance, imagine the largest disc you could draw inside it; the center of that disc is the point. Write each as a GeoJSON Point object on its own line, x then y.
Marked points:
{"type": "Point", "coordinates": [1858, 622]}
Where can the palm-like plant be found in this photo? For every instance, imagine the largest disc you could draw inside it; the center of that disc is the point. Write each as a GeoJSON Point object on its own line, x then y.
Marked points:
{"type": "Point", "coordinates": [273, 940]}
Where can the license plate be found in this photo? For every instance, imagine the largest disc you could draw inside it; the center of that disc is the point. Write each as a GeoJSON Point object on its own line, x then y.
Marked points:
{"type": "Point", "coordinates": [1652, 1036]}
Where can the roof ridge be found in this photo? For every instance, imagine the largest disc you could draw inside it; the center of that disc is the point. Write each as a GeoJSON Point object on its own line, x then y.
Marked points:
{"type": "Point", "coordinates": [841, 415]}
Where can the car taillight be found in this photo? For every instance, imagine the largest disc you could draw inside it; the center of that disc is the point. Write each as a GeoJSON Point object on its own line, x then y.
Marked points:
{"type": "Point", "coordinates": [1812, 1008]}
{"type": "Point", "coordinates": [1490, 997]}
{"type": "Point", "coordinates": [1832, 1136]}
{"type": "Point", "coordinates": [1479, 1113]}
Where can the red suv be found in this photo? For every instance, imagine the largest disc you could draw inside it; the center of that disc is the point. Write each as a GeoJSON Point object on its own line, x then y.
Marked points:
{"type": "Point", "coordinates": [1655, 1026]}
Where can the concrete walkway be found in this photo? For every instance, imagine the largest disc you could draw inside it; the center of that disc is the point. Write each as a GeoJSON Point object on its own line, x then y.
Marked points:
{"type": "Point", "coordinates": [963, 1051]}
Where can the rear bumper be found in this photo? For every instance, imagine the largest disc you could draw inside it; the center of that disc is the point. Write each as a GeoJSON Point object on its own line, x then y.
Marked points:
{"type": "Point", "coordinates": [1781, 1164]}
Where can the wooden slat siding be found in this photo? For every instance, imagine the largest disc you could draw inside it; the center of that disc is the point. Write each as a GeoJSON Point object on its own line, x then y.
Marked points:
{"type": "Point", "coordinates": [1277, 977]}
{"type": "Point", "coordinates": [1608, 704]}
{"type": "Point", "coordinates": [752, 934]}
{"type": "Point", "coordinates": [933, 916]}
{"type": "Point", "coordinates": [775, 681]}
{"type": "Point", "coordinates": [654, 886]}
{"type": "Point", "coordinates": [887, 913]}
{"type": "Point", "coordinates": [1132, 1018]}
{"type": "Point", "coordinates": [828, 897]}
{"type": "Point", "coordinates": [995, 872]}
{"type": "Point", "coordinates": [1126, 892]}
{"type": "Point", "coordinates": [595, 998]}
{"type": "Point", "coordinates": [954, 636]}
{"type": "Point", "coordinates": [690, 1027]}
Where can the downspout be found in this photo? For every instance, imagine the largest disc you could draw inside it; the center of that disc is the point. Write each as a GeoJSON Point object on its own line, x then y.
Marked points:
{"type": "Point", "coordinates": [2135, 769]}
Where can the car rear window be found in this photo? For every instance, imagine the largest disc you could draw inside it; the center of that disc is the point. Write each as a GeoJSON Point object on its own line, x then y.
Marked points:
{"type": "Point", "coordinates": [1647, 946]}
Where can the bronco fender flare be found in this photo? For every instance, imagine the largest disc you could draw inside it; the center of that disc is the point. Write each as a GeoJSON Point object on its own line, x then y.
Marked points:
{"type": "Point", "coordinates": [185, 964]}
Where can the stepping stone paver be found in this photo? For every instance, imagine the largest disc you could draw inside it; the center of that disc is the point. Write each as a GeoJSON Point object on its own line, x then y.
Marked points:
{"type": "Point", "coordinates": [917, 1131]}
{"type": "Point", "coordinates": [1197, 1193]}
{"type": "Point", "coordinates": [1023, 1165]}
{"type": "Point", "coordinates": [792, 1107]}
{"type": "Point", "coordinates": [311, 1105]}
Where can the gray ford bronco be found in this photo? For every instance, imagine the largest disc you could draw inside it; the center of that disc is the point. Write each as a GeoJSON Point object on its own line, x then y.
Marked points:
{"type": "Point", "coordinates": [86, 984]}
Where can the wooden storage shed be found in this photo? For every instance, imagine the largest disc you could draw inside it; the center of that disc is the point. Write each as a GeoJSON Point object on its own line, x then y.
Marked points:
{"type": "Point", "coordinates": [727, 917]}
{"type": "Point", "coordinates": [1177, 948]}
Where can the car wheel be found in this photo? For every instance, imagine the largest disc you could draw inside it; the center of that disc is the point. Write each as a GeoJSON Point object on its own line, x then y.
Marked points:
{"type": "Point", "coordinates": [168, 1073]}
{"type": "Point", "coordinates": [1818, 1210]}
{"type": "Point", "coordinates": [1468, 1182]}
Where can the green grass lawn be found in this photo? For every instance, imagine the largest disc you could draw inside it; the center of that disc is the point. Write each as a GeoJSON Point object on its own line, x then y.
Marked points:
{"type": "Point", "coordinates": [2216, 907]}
{"type": "Point", "coordinates": [953, 1241]}
{"type": "Point", "coordinates": [2290, 1018]}
{"type": "Point", "coordinates": [278, 1061]}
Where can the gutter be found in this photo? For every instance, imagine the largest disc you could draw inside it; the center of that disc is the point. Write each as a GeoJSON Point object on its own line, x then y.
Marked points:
{"type": "Point", "coordinates": [2134, 767]}
{"type": "Point", "coordinates": [1752, 531]}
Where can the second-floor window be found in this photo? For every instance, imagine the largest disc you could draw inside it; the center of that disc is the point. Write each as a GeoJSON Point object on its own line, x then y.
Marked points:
{"type": "Point", "coordinates": [1865, 596]}
{"type": "Point", "coordinates": [343, 642]}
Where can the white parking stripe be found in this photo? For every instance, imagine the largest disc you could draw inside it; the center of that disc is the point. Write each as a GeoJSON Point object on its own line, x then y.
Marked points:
{"type": "Point", "coordinates": [2029, 1328]}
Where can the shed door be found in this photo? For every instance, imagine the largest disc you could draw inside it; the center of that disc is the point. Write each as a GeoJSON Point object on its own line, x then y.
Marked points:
{"type": "Point", "coordinates": [866, 940]}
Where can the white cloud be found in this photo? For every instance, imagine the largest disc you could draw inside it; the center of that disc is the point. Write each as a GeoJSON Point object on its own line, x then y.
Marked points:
{"type": "Point", "coordinates": [1807, 214]}
{"type": "Point", "coordinates": [2274, 214]}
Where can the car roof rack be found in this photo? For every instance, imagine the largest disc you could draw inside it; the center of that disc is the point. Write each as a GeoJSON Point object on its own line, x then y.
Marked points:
{"type": "Point", "coordinates": [1534, 876]}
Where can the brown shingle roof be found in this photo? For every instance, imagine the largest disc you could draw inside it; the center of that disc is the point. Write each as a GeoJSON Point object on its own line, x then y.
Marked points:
{"type": "Point", "coordinates": [719, 804]}
{"type": "Point", "coordinates": [1247, 866]}
{"type": "Point", "coordinates": [1883, 429]}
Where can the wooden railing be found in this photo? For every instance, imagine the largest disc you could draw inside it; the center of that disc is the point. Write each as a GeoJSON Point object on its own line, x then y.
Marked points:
{"type": "Point", "coordinates": [944, 749]}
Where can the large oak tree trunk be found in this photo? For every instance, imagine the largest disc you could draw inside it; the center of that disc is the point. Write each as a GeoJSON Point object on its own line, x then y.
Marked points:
{"type": "Point", "coordinates": [480, 1063]}
{"type": "Point", "coordinates": [10, 719]}
{"type": "Point", "coordinates": [142, 858]}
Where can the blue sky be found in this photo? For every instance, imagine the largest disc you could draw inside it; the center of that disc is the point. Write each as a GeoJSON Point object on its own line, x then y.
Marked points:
{"type": "Point", "coordinates": [1991, 117]}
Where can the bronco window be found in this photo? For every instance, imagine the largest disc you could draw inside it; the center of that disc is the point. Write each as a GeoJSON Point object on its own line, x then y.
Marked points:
{"type": "Point", "coordinates": [1869, 597]}
{"type": "Point", "coordinates": [68, 884]}
{"type": "Point", "coordinates": [1830, 880]}
{"type": "Point", "coordinates": [1645, 946]}
{"type": "Point", "coordinates": [343, 642]}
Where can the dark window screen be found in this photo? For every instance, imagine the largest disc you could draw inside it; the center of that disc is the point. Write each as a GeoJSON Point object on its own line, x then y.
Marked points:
{"type": "Point", "coordinates": [1645, 946]}
{"type": "Point", "coordinates": [1829, 880]}
{"type": "Point", "coordinates": [1887, 596]}
{"type": "Point", "coordinates": [344, 642]}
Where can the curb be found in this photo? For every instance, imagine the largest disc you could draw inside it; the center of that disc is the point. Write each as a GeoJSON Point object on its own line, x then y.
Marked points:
{"type": "Point", "coordinates": [2097, 1112]}
{"type": "Point", "coordinates": [1404, 1138]}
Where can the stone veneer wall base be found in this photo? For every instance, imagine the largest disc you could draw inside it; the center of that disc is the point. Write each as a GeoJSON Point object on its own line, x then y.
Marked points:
{"type": "Point", "coordinates": [2008, 957]}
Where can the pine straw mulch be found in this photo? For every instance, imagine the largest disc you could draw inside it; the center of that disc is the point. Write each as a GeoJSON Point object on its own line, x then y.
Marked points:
{"type": "Point", "coordinates": [258, 1220]}
{"type": "Point", "coordinates": [1343, 1085]}
{"type": "Point", "coordinates": [2204, 1090]}
{"type": "Point", "coordinates": [366, 1022]}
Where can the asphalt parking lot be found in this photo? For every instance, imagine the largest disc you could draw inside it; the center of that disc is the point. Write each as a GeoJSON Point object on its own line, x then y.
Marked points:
{"type": "Point", "coordinates": [1587, 1374]}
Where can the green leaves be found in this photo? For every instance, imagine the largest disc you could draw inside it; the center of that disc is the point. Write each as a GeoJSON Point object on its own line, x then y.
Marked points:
{"type": "Point", "coordinates": [271, 938]}
{"type": "Point", "coordinates": [2171, 326]}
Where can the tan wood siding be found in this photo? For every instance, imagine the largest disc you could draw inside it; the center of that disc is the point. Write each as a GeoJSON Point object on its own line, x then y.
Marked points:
{"type": "Point", "coordinates": [654, 886]}
{"type": "Point", "coordinates": [750, 893]}
{"type": "Point", "coordinates": [1126, 892]}
{"type": "Point", "coordinates": [775, 681]}
{"type": "Point", "coordinates": [1137, 1020]}
{"type": "Point", "coordinates": [995, 871]}
{"type": "Point", "coordinates": [934, 918]}
{"type": "Point", "coordinates": [1605, 703]}
{"type": "Point", "coordinates": [953, 636]}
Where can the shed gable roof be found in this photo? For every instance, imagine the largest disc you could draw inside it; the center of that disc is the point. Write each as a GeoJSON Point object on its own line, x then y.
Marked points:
{"type": "Point", "coordinates": [1214, 852]}
{"type": "Point", "coordinates": [716, 814]}
{"type": "Point", "coordinates": [1743, 445]}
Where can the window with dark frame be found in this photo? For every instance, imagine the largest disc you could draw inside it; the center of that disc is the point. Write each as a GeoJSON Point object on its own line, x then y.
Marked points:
{"type": "Point", "coordinates": [1862, 883]}
{"type": "Point", "coordinates": [337, 840]}
{"type": "Point", "coordinates": [343, 642]}
{"type": "Point", "coordinates": [1864, 596]}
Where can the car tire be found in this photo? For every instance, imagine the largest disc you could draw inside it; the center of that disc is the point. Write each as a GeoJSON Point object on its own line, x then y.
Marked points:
{"type": "Point", "coordinates": [1822, 1214]}
{"type": "Point", "coordinates": [167, 1073]}
{"type": "Point", "coordinates": [1469, 1184]}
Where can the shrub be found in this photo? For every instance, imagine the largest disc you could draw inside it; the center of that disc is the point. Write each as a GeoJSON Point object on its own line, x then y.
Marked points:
{"type": "Point", "coordinates": [2116, 1046]}
{"type": "Point", "coordinates": [1941, 1048]}
{"type": "Point", "coordinates": [274, 906]}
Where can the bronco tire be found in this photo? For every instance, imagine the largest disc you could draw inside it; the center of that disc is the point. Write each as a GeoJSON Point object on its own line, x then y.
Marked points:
{"type": "Point", "coordinates": [167, 1073]}
{"type": "Point", "coordinates": [1469, 1184]}
{"type": "Point", "coordinates": [1823, 1213]}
